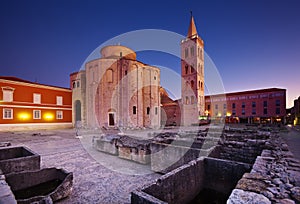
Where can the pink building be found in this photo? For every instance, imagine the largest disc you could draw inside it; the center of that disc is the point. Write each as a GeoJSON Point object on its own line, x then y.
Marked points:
{"type": "Point", "coordinates": [255, 106]}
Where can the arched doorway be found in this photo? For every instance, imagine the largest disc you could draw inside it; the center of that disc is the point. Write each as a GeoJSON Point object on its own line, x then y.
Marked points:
{"type": "Point", "coordinates": [111, 117]}
{"type": "Point", "coordinates": [77, 110]}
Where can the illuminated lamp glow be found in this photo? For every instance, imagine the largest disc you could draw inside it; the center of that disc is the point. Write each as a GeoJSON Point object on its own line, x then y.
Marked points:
{"type": "Point", "coordinates": [228, 114]}
{"type": "Point", "coordinates": [48, 116]}
{"type": "Point", "coordinates": [23, 116]}
{"type": "Point", "coordinates": [219, 114]}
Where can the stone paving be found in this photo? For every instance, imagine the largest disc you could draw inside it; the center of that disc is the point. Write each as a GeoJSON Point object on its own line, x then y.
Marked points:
{"type": "Point", "coordinates": [98, 177]}
{"type": "Point", "coordinates": [93, 182]}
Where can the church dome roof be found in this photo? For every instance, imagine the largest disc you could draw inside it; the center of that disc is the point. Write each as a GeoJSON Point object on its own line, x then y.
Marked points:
{"type": "Point", "coordinates": [117, 51]}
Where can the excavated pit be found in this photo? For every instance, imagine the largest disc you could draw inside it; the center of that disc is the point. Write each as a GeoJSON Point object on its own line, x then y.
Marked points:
{"type": "Point", "coordinates": [45, 185]}
{"type": "Point", "coordinates": [16, 159]}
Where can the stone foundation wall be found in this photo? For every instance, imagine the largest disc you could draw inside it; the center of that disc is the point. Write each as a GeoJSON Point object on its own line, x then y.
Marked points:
{"type": "Point", "coordinates": [183, 184]}
{"type": "Point", "coordinates": [6, 195]}
{"type": "Point", "coordinates": [243, 147]}
{"type": "Point", "coordinates": [16, 159]}
{"type": "Point", "coordinates": [274, 178]}
{"type": "Point", "coordinates": [223, 175]}
{"type": "Point", "coordinates": [174, 187]}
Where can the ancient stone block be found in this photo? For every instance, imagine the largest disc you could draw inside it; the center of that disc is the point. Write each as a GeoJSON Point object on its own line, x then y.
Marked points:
{"type": "Point", "coordinates": [245, 197]}
{"type": "Point", "coordinates": [16, 159]}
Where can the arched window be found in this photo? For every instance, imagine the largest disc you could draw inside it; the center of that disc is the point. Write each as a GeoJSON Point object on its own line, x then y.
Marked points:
{"type": "Point", "coordinates": [192, 83]}
{"type": "Point", "coordinates": [186, 69]}
{"type": "Point", "coordinates": [201, 85]}
{"type": "Point", "coordinates": [74, 84]}
{"type": "Point", "coordinates": [78, 84]}
{"type": "Point", "coordinates": [192, 99]}
{"type": "Point", "coordinates": [109, 76]}
{"type": "Point", "coordinates": [134, 110]}
{"type": "Point", "coordinates": [148, 110]}
{"type": "Point", "coordinates": [187, 100]}
{"type": "Point", "coordinates": [186, 84]}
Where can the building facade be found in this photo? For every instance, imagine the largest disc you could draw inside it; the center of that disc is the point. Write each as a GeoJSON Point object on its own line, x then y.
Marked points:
{"type": "Point", "coordinates": [256, 106]}
{"type": "Point", "coordinates": [296, 112]}
{"type": "Point", "coordinates": [192, 76]}
{"type": "Point", "coordinates": [24, 104]}
{"type": "Point", "coordinates": [116, 90]}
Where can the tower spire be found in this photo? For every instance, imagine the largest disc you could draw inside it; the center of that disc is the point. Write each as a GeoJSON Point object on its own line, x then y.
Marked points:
{"type": "Point", "coordinates": [192, 27]}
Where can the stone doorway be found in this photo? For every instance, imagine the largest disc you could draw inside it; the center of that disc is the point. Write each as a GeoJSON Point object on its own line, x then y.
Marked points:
{"type": "Point", "coordinates": [77, 110]}
{"type": "Point", "coordinates": [111, 119]}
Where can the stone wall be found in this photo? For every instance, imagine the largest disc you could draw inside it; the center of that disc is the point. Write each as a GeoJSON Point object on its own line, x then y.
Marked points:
{"type": "Point", "coordinates": [274, 178]}
{"type": "Point", "coordinates": [223, 175]}
{"type": "Point", "coordinates": [16, 159]}
{"type": "Point", "coordinates": [6, 195]}
{"type": "Point", "coordinates": [174, 187]}
{"type": "Point", "coordinates": [242, 147]}
{"type": "Point", "coordinates": [183, 184]}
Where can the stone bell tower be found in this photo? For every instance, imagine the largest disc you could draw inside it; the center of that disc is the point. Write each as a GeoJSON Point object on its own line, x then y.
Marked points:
{"type": "Point", "coordinates": [192, 76]}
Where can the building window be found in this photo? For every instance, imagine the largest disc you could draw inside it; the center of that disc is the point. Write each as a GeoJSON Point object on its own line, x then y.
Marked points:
{"type": "Point", "coordinates": [109, 76]}
{"type": "Point", "coordinates": [78, 84]}
{"type": "Point", "coordinates": [186, 69]}
{"type": "Point", "coordinates": [277, 102]}
{"type": "Point", "coordinates": [253, 111]}
{"type": "Point", "coordinates": [74, 84]}
{"type": "Point", "coordinates": [186, 100]}
{"type": "Point", "coordinates": [134, 110]}
{"type": "Point", "coordinates": [125, 72]}
{"type": "Point", "coordinates": [208, 107]}
{"type": "Point", "coordinates": [233, 112]}
{"type": "Point", "coordinates": [265, 103]}
{"type": "Point", "coordinates": [37, 98]}
{"type": "Point", "coordinates": [243, 111]}
{"type": "Point", "coordinates": [265, 111]}
{"type": "Point", "coordinates": [7, 113]}
{"type": "Point", "coordinates": [192, 69]}
{"type": "Point", "coordinates": [233, 105]}
{"type": "Point", "coordinates": [154, 77]}
{"type": "Point", "coordinates": [224, 106]}
{"type": "Point", "coordinates": [216, 106]}
{"type": "Point", "coordinates": [253, 104]}
{"type": "Point", "coordinates": [36, 114]}
{"type": "Point", "coordinates": [59, 100]}
{"type": "Point", "coordinates": [156, 110]}
{"type": "Point", "coordinates": [59, 115]}
{"type": "Point", "coordinates": [186, 52]}
{"type": "Point", "coordinates": [192, 51]}
{"type": "Point", "coordinates": [277, 111]}
{"type": "Point", "coordinates": [148, 110]}
{"type": "Point", "coordinates": [243, 105]}
{"type": "Point", "coordinates": [192, 99]}
{"type": "Point", "coordinates": [192, 83]}
{"type": "Point", "coordinates": [8, 94]}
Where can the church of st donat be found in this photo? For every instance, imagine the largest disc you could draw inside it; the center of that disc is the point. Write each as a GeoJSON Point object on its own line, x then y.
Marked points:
{"type": "Point", "coordinates": [118, 91]}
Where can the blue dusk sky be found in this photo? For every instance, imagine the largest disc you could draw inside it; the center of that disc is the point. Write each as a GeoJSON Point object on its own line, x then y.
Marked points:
{"type": "Point", "coordinates": [253, 44]}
